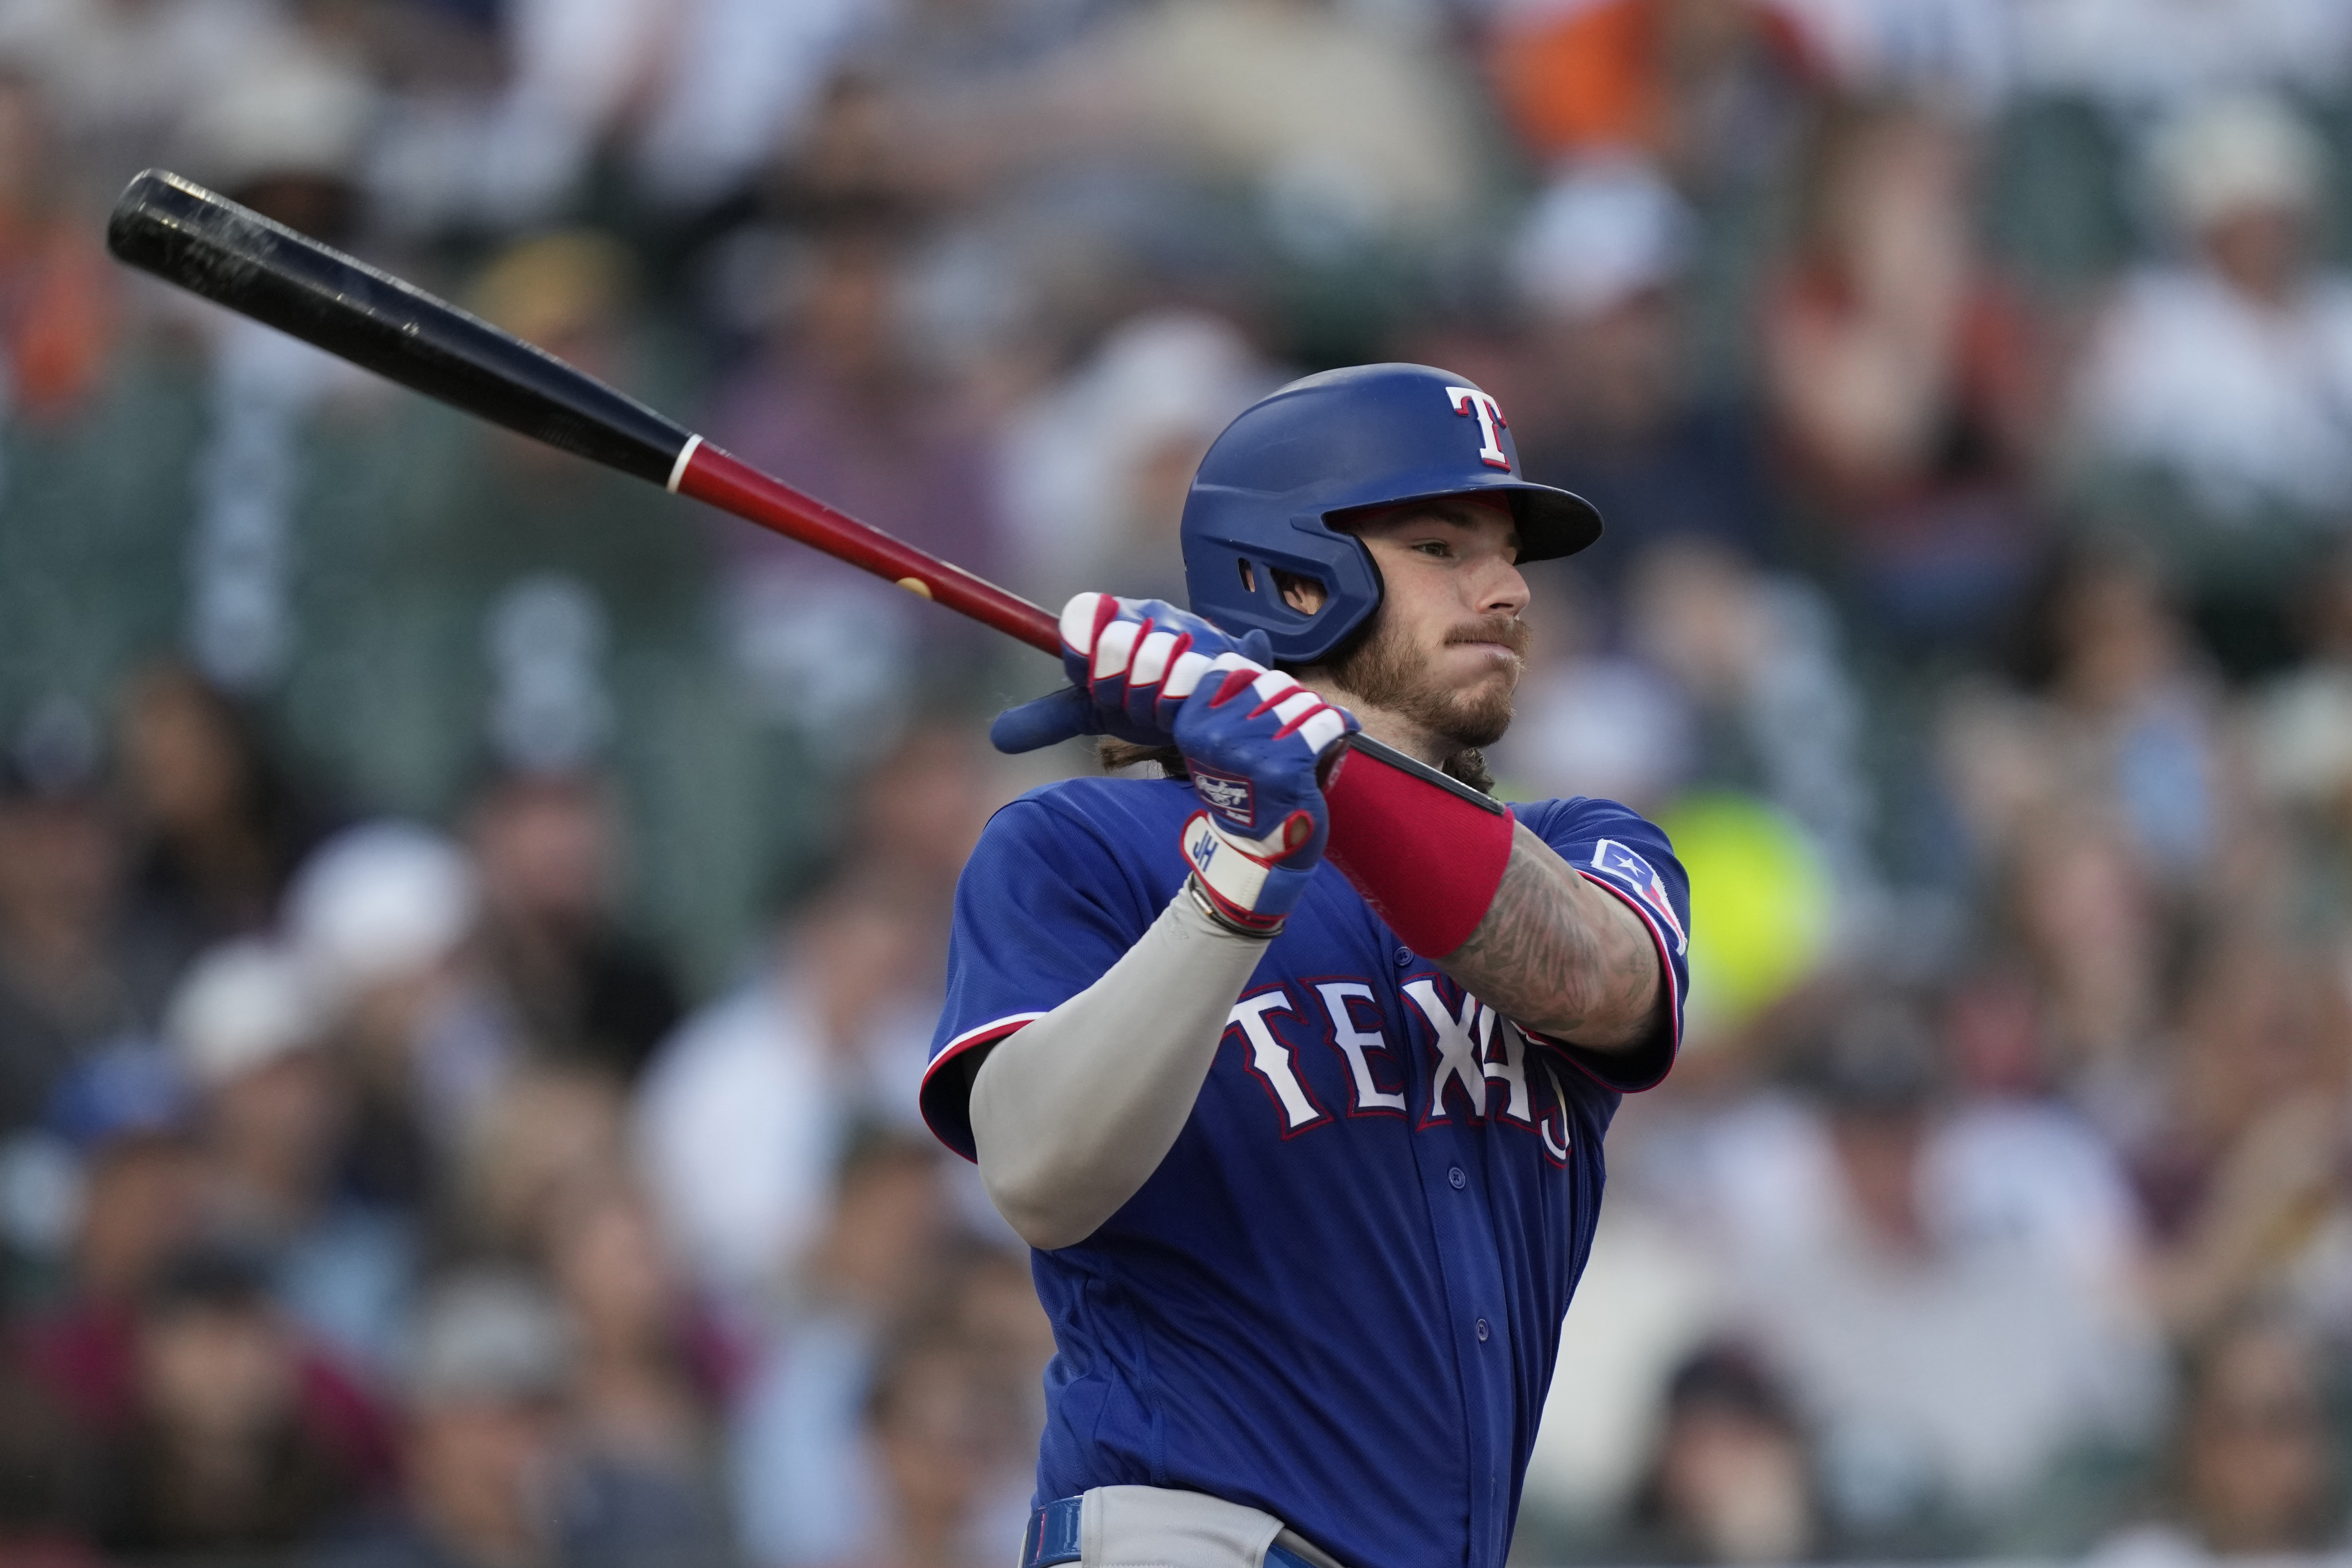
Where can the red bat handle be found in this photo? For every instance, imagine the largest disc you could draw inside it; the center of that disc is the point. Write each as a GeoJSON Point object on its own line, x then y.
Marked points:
{"type": "Point", "coordinates": [711, 474]}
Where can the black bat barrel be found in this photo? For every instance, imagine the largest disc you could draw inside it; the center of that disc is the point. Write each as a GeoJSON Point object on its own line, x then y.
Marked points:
{"type": "Point", "coordinates": [235, 257]}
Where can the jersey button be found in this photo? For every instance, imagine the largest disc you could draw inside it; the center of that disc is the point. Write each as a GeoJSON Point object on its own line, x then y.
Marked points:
{"type": "Point", "coordinates": [1459, 1181]}
{"type": "Point", "coordinates": [1404, 958]}
{"type": "Point", "coordinates": [1482, 1331]}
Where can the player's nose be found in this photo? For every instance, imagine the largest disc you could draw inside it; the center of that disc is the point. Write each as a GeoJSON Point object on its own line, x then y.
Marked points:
{"type": "Point", "coordinates": [1500, 589]}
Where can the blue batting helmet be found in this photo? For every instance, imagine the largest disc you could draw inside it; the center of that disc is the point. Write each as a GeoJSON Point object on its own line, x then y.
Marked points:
{"type": "Point", "coordinates": [1369, 435]}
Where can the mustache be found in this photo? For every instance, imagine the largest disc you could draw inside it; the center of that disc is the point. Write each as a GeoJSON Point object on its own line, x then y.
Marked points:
{"type": "Point", "coordinates": [1508, 630]}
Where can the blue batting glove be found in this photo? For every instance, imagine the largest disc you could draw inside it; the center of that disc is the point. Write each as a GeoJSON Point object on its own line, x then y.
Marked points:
{"type": "Point", "coordinates": [1132, 662]}
{"type": "Point", "coordinates": [1256, 741]}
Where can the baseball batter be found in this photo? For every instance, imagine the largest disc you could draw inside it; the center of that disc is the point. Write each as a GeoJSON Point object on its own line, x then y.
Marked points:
{"type": "Point", "coordinates": [1294, 1066]}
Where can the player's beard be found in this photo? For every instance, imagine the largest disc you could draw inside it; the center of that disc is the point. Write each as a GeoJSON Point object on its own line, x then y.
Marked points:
{"type": "Point", "coordinates": [1386, 670]}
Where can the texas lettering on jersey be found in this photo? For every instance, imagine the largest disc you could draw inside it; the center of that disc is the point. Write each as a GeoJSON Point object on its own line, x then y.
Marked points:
{"type": "Point", "coordinates": [1479, 1063]}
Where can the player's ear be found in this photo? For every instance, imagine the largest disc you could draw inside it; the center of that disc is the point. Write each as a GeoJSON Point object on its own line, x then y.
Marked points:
{"type": "Point", "coordinates": [1304, 594]}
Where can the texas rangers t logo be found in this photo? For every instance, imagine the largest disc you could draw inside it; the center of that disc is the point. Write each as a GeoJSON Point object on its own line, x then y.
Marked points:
{"type": "Point", "coordinates": [1469, 400]}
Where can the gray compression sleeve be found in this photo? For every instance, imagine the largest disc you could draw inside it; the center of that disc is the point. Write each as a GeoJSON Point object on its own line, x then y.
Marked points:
{"type": "Point", "coordinates": [1072, 1114]}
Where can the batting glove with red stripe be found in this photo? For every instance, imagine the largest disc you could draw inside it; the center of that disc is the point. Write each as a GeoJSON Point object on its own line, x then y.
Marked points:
{"type": "Point", "coordinates": [1257, 743]}
{"type": "Point", "coordinates": [1131, 663]}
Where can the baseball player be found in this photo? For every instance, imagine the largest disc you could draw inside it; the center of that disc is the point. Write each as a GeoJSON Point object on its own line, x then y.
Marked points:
{"type": "Point", "coordinates": [1293, 1067]}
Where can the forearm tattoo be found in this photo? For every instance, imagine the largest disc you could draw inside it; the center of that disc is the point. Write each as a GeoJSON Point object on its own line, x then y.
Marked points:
{"type": "Point", "coordinates": [1559, 955]}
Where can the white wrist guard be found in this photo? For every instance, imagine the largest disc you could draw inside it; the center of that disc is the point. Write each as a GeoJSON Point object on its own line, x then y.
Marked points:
{"type": "Point", "coordinates": [1238, 881]}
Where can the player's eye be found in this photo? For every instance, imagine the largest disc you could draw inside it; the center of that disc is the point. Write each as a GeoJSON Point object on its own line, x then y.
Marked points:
{"type": "Point", "coordinates": [1435, 548]}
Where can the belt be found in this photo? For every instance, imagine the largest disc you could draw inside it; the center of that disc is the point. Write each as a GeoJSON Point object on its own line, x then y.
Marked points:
{"type": "Point", "coordinates": [1053, 1537]}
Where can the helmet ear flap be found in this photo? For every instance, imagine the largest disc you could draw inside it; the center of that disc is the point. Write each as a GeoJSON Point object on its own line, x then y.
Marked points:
{"type": "Point", "coordinates": [1242, 583]}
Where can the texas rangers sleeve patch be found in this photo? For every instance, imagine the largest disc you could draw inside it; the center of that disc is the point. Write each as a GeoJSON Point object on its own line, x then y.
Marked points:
{"type": "Point", "coordinates": [1629, 871]}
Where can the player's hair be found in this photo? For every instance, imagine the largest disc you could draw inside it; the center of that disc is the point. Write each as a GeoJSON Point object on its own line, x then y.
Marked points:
{"type": "Point", "coordinates": [1468, 765]}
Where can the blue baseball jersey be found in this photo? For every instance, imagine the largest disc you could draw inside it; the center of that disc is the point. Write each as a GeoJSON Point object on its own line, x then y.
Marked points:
{"type": "Point", "coordinates": [1339, 1297]}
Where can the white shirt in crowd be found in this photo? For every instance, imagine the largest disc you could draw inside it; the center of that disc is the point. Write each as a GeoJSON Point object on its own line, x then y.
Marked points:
{"type": "Point", "coordinates": [743, 1117]}
{"type": "Point", "coordinates": [2250, 408]}
{"type": "Point", "coordinates": [2143, 55]}
{"type": "Point", "coordinates": [1966, 1369]}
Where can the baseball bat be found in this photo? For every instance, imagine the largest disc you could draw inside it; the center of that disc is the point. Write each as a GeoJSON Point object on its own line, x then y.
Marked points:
{"type": "Point", "coordinates": [233, 255]}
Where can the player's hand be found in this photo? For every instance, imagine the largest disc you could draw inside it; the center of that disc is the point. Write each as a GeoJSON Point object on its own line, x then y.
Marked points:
{"type": "Point", "coordinates": [1258, 745]}
{"type": "Point", "coordinates": [1130, 663]}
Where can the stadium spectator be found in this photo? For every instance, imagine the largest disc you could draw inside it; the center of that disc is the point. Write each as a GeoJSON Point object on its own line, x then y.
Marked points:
{"type": "Point", "coordinates": [1096, 464]}
{"type": "Point", "coordinates": [121, 1117]}
{"type": "Point", "coordinates": [1708, 88]}
{"type": "Point", "coordinates": [2139, 57]}
{"type": "Point", "coordinates": [497, 115]}
{"type": "Point", "coordinates": [921, 809]}
{"type": "Point", "coordinates": [543, 1135]}
{"type": "Point", "coordinates": [44, 1480]}
{"type": "Point", "coordinates": [125, 76]}
{"type": "Point", "coordinates": [1600, 268]}
{"type": "Point", "coordinates": [742, 80]}
{"type": "Point", "coordinates": [168, 1353]}
{"type": "Point", "coordinates": [487, 1375]}
{"type": "Point", "coordinates": [582, 989]}
{"type": "Point", "coordinates": [507, 512]}
{"type": "Point", "coordinates": [749, 1107]}
{"type": "Point", "coordinates": [1367, 143]}
{"type": "Point", "coordinates": [287, 136]}
{"type": "Point", "coordinates": [248, 1031]}
{"type": "Point", "coordinates": [2100, 791]}
{"type": "Point", "coordinates": [1731, 1480]}
{"type": "Point", "coordinates": [1902, 1330]}
{"type": "Point", "coordinates": [218, 824]}
{"type": "Point", "coordinates": [1902, 377]}
{"type": "Point", "coordinates": [59, 304]}
{"type": "Point", "coordinates": [379, 917]}
{"type": "Point", "coordinates": [1960, 53]}
{"type": "Point", "coordinates": [2226, 372]}
{"type": "Point", "coordinates": [806, 1490]}
{"type": "Point", "coordinates": [2300, 754]}
{"type": "Point", "coordinates": [74, 970]}
{"type": "Point", "coordinates": [928, 1420]}
{"type": "Point", "coordinates": [236, 1439]}
{"type": "Point", "coordinates": [642, 1435]}
{"type": "Point", "coordinates": [2240, 1157]}
{"type": "Point", "coordinates": [2252, 1469]}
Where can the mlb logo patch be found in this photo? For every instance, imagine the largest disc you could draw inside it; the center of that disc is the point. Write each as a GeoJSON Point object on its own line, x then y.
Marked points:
{"type": "Point", "coordinates": [1620, 865]}
{"type": "Point", "coordinates": [1229, 797]}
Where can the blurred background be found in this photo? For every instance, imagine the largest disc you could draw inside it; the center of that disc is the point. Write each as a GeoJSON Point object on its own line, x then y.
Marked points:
{"type": "Point", "coordinates": [469, 924]}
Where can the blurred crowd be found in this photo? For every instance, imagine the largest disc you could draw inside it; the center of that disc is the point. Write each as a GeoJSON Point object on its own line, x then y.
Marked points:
{"type": "Point", "coordinates": [470, 926]}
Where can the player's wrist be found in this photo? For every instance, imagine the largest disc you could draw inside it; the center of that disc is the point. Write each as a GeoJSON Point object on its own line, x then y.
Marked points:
{"type": "Point", "coordinates": [1229, 924]}
{"type": "Point", "coordinates": [1252, 884]}
{"type": "Point", "coordinates": [1427, 852]}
